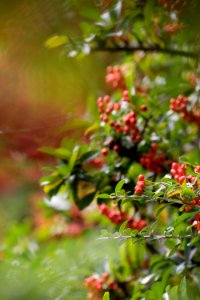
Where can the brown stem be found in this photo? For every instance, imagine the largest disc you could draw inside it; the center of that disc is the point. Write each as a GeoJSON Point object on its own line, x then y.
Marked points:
{"type": "Point", "coordinates": [146, 49]}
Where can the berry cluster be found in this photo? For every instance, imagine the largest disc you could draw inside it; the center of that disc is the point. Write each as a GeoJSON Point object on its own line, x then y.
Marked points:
{"type": "Point", "coordinates": [105, 150]}
{"type": "Point", "coordinates": [98, 285]}
{"type": "Point", "coordinates": [115, 77]}
{"type": "Point", "coordinates": [125, 124]}
{"type": "Point", "coordinates": [106, 107]}
{"type": "Point", "coordinates": [180, 105]}
{"type": "Point", "coordinates": [196, 219]}
{"type": "Point", "coordinates": [130, 127]}
{"type": "Point", "coordinates": [153, 161]}
{"type": "Point", "coordinates": [196, 222]}
{"type": "Point", "coordinates": [118, 217]}
{"type": "Point", "coordinates": [194, 203]}
{"type": "Point", "coordinates": [139, 185]}
{"type": "Point", "coordinates": [178, 171]}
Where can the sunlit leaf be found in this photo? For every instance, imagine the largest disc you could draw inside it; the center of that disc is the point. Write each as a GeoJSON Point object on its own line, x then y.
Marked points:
{"type": "Point", "coordinates": [56, 41]}
{"type": "Point", "coordinates": [106, 296]}
{"type": "Point", "coordinates": [119, 186]}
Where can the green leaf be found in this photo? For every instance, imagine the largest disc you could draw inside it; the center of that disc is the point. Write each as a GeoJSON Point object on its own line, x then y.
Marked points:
{"type": "Point", "coordinates": [74, 157]}
{"type": "Point", "coordinates": [169, 229]}
{"type": "Point", "coordinates": [158, 212]}
{"type": "Point", "coordinates": [195, 240]}
{"type": "Point", "coordinates": [156, 291]}
{"type": "Point", "coordinates": [174, 249]}
{"type": "Point", "coordinates": [106, 296]}
{"type": "Point", "coordinates": [53, 186]}
{"type": "Point", "coordinates": [90, 13]}
{"type": "Point", "coordinates": [106, 233]}
{"type": "Point", "coordinates": [127, 231]}
{"type": "Point", "coordinates": [104, 196]}
{"type": "Point", "coordinates": [183, 289]}
{"type": "Point", "coordinates": [48, 150]}
{"type": "Point", "coordinates": [123, 226]}
{"type": "Point", "coordinates": [119, 186]}
{"type": "Point", "coordinates": [85, 201]}
{"type": "Point", "coordinates": [63, 170]}
{"type": "Point", "coordinates": [184, 217]}
{"type": "Point", "coordinates": [165, 278]}
{"type": "Point", "coordinates": [61, 153]}
{"type": "Point", "coordinates": [172, 292]}
{"type": "Point", "coordinates": [88, 155]}
{"type": "Point", "coordinates": [48, 179]}
{"type": "Point", "coordinates": [56, 41]}
{"type": "Point", "coordinates": [188, 193]}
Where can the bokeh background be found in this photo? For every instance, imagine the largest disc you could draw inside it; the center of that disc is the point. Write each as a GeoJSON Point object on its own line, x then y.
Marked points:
{"type": "Point", "coordinates": [44, 96]}
{"type": "Point", "coordinates": [42, 92]}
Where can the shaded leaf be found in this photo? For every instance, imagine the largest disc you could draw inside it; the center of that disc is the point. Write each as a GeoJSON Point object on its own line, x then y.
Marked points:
{"type": "Point", "coordinates": [85, 201]}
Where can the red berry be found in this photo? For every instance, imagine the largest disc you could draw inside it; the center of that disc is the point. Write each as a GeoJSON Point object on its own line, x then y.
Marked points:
{"type": "Point", "coordinates": [197, 169]}
{"type": "Point", "coordinates": [138, 190]}
{"type": "Point", "coordinates": [141, 177]}
{"type": "Point", "coordinates": [138, 139]}
{"type": "Point", "coordinates": [154, 147]}
{"type": "Point", "coordinates": [173, 172]}
{"type": "Point", "coordinates": [141, 184]}
{"type": "Point", "coordinates": [104, 151]}
{"type": "Point", "coordinates": [106, 99]}
{"type": "Point", "coordinates": [181, 179]}
{"type": "Point", "coordinates": [117, 106]}
{"type": "Point", "coordinates": [125, 93]}
{"type": "Point", "coordinates": [116, 147]}
{"type": "Point", "coordinates": [143, 107]}
{"type": "Point", "coordinates": [175, 165]}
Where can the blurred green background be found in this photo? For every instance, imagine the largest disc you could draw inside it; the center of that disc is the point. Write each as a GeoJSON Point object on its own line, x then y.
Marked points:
{"type": "Point", "coordinates": [42, 91]}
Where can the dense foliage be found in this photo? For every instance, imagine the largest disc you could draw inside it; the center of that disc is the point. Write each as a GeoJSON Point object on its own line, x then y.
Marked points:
{"type": "Point", "coordinates": [139, 160]}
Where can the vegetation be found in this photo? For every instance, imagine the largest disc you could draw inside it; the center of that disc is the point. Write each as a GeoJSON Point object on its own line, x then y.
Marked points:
{"type": "Point", "coordinates": [133, 182]}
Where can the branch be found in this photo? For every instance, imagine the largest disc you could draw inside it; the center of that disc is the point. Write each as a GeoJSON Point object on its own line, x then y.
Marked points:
{"type": "Point", "coordinates": [146, 49]}
{"type": "Point", "coordinates": [150, 199]}
{"type": "Point", "coordinates": [148, 237]}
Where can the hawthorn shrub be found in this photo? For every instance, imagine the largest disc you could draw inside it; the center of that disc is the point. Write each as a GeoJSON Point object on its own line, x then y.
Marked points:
{"type": "Point", "coordinates": [138, 164]}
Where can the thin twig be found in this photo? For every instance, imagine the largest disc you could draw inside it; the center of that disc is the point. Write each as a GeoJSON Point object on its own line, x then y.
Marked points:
{"type": "Point", "coordinates": [148, 236]}
{"type": "Point", "coordinates": [150, 200]}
